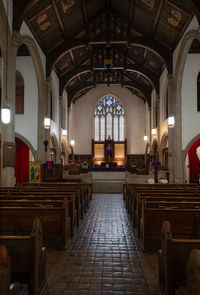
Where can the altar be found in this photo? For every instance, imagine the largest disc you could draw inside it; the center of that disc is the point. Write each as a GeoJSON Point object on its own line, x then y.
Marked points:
{"type": "Point", "coordinates": [109, 155]}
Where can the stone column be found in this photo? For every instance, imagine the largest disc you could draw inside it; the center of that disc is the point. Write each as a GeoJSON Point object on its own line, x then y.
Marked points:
{"type": "Point", "coordinates": [8, 98]}
{"type": "Point", "coordinates": [43, 134]}
{"type": "Point", "coordinates": [68, 136]}
{"type": "Point", "coordinates": [158, 123]}
{"type": "Point", "coordinates": [171, 131]}
{"type": "Point", "coordinates": [178, 157]}
{"type": "Point", "coordinates": [60, 126]}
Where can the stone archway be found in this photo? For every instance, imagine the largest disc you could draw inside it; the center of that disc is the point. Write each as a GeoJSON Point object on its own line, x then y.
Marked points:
{"type": "Point", "coordinates": [18, 40]}
{"type": "Point", "coordinates": [185, 156]}
{"type": "Point", "coordinates": [33, 151]}
{"type": "Point", "coordinates": [178, 76]}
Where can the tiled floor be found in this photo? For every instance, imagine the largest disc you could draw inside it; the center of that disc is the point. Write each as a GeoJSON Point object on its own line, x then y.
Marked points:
{"type": "Point", "coordinates": [104, 258]}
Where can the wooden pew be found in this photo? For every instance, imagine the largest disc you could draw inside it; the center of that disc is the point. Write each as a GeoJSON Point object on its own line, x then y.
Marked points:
{"type": "Point", "coordinates": [71, 198]}
{"type": "Point", "coordinates": [86, 188]}
{"type": "Point", "coordinates": [165, 196]}
{"type": "Point", "coordinates": [185, 223]}
{"type": "Point", "coordinates": [77, 204]}
{"type": "Point", "coordinates": [163, 202]}
{"type": "Point", "coordinates": [6, 288]}
{"type": "Point", "coordinates": [193, 273]}
{"type": "Point", "coordinates": [28, 259]}
{"type": "Point", "coordinates": [172, 259]}
{"type": "Point", "coordinates": [128, 188]}
{"type": "Point", "coordinates": [150, 188]}
{"type": "Point", "coordinates": [55, 222]}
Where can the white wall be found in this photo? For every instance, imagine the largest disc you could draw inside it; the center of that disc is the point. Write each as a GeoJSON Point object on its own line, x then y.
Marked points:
{"type": "Point", "coordinates": [55, 123]}
{"type": "Point", "coordinates": [24, 65]}
{"type": "Point", "coordinates": [190, 128]}
{"type": "Point", "coordinates": [135, 111]}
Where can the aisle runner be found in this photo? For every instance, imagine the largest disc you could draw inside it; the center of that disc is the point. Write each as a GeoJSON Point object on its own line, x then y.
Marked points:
{"type": "Point", "coordinates": [104, 257]}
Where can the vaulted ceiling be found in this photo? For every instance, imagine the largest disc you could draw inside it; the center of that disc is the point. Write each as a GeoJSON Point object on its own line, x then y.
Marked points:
{"type": "Point", "coordinates": [136, 38]}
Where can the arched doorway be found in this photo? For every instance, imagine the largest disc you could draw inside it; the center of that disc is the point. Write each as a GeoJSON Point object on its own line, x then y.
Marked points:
{"type": "Point", "coordinates": [22, 158]}
{"type": "Point", "coordinates": [22, 161]}
{"type": "Point", "coordinates": [192, 161]}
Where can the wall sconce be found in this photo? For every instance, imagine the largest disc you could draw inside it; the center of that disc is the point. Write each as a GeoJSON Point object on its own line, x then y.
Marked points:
{"type": "Point", "coordinates": [47, 123]}
{"type": "Point", "coordinates": [64, 132]}
{"type": "Point", "coordinates": [72, 142]}
{"type": "Point", "coordinates": [5, 114]}
{"type": "Point", "coordinates": [171, 121]}
{"type": "Point", "coordinates": [145, 138]}
{"type": "Point", "coordinates": [153, 131]}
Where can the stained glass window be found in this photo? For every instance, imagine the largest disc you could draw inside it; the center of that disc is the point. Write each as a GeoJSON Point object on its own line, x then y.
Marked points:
{"type": "Point", "coordinates": [109, 119]}
{"type": "Point", "coordinates": [96, 128]}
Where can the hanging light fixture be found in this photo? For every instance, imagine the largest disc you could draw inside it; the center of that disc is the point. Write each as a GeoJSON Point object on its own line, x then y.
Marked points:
{"type": "Point", "coordinates": [145, 138]}
{"type": "Point", "coordinates": [72, 142]}
{"type": "Point", "coordinates": [47, 123]}
{"type": "Point", "coordinates": [153, 131]}
{"type": "Point", "coordinates": [5, 110]}
{"type": "Point", "coordinates": [64, 132]}
{"type": "Point", "coordinates": [171, 121]}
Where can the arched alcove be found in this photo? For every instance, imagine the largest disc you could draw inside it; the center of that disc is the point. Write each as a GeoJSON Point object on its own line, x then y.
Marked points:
{"type": "Point", "coordinates": [178, 78]}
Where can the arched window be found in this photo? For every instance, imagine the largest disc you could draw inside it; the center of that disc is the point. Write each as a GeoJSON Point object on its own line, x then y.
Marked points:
{"type": "Point", "coordinates": [109, 119]}
{"type": "Point", "coordinates": [198, 93]}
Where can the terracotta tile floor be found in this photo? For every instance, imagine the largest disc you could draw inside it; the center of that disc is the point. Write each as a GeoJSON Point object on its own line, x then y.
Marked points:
{"type": "Point", "coordinates": [104, 257]}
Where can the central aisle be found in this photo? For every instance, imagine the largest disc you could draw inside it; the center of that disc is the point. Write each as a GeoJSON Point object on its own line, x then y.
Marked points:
{"type": "Point", "coordinates": [104, 258]}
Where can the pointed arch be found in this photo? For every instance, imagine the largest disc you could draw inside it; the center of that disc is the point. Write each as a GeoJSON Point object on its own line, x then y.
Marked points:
{"type": "Point", "coordinates": [18, 40]}
{"type": "Point", "coordinates": [178, 77]}
{"type": "Point", "coordinates": [109, 119]}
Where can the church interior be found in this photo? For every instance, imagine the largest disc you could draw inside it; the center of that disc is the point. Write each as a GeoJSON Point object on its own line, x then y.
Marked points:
{"type": "Point", "coordinates": [100, 147]}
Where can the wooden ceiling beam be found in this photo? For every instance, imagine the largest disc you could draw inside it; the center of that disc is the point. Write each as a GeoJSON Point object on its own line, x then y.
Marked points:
{"type": "Point", "coordinates": [196, 4]}
{"type": "Point", "coordinates": [85, 17]}
{"type": "Point", "coordinates": [81, 69]}
{"type": "Point", "coordinates": [72, 93]}
{"type": "Point", "coordinates": [20, 10]}
{"type": "Point", "coordinates": [164, 53]}
{"type": "Point", "coordinates": [177, 7]}
{"type": "Point", "coordinates": [108, 23]}
{"type": "Point", "coordinates": [131, 18]}
{"type": "Point", "coordinates": [57, 13]}
{"type": "Point", "coordinates": [183, 30]}
{"type": "Point", "coordinates": [136, 80]}
{"type": "Point", "coordinates": [157, 17]}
